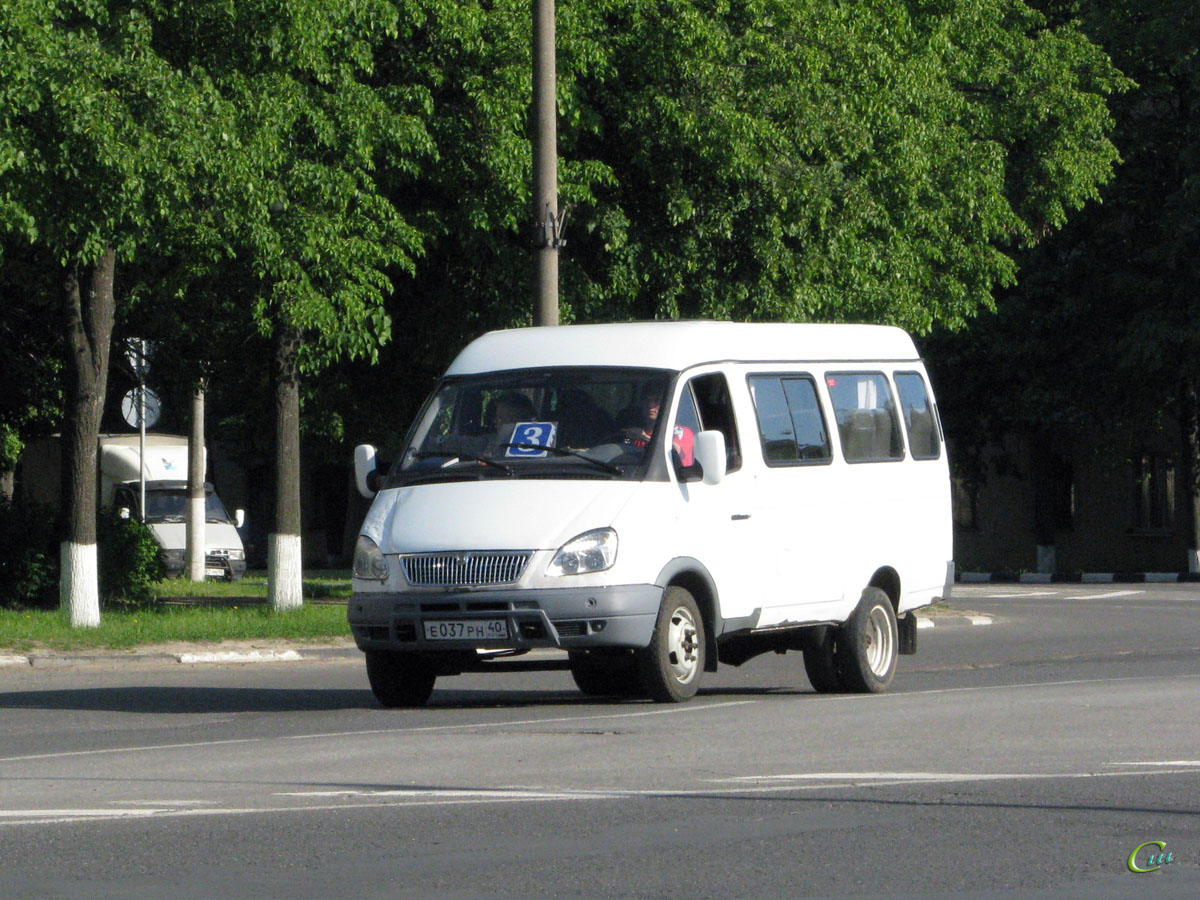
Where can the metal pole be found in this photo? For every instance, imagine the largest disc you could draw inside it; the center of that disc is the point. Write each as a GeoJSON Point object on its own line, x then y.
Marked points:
{"type": "Point", "coordinates": [142, 429]}
{"type": "Point", "coordinates": [548, 237]}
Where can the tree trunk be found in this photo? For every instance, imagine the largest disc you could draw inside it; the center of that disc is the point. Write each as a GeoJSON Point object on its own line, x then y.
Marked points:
{"type": "Point", "coordinates": [284, 569]}
{"type": "Point", "coordinates": [196, 527]}
{"type": "Point", "coordinates": [90, 307]}
{"type": "Point", "coordinates": [1189, 472]}
{"type": "Point", "coordinates": [1044, 525]}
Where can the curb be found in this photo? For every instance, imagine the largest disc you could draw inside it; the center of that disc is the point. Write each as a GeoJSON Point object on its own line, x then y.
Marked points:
{"type": "Point", "coordinates": [51, 660]}
{"type": "Point", "coordinates": [1077, 577]}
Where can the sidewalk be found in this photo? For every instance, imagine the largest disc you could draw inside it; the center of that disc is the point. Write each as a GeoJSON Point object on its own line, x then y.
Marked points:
{"type": "Point", "coordinates": [226, 652]}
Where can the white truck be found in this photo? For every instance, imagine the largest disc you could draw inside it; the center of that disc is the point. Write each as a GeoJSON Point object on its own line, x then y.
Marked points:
{"type": "Point", "coordinates": [166, 468]}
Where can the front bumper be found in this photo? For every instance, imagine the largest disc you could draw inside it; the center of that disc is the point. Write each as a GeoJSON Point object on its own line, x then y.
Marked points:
{"type": "Point", "coordinates": [565, 618]}
{"type": "Point", "coordinates": [215, 566]}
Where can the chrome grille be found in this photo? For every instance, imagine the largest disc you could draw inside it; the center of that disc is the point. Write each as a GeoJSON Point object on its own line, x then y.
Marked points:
{"type": "Point", "coordinates": [464, 569]}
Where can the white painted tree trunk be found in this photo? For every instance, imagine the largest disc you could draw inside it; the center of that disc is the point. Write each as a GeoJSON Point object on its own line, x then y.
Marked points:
{"type": "Point", "coordinates": [79, 584]}
{"type": "Point", "coordinates": [285, 573]}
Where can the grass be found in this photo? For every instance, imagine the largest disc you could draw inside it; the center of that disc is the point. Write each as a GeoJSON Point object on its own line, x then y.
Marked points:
{"type": "Point", "coordinates": [225, 611]}
{"type": "Point", "coordinates": [318, 585]}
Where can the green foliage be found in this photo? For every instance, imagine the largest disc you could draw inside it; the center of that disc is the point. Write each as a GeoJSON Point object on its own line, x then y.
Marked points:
{"type": "Point", "coordinates": [813, 160]}
{"type": "Point", "coordinates": [100, 134]}
{"type": "Point", "coordinates": [128, 558]}
{"type": "Point", "coordinates": [1102, 327]}
{"type": "Point", "coordinates": [28, 557]}
{"type": "Point", "coordinates": [291, 228]}
{"type": "Point", "coordinates": [29, 564]}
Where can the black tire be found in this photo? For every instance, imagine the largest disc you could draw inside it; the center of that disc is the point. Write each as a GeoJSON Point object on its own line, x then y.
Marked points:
{"type": "Point", "coordinates": [670, 668]}
{"type": "Point", "coordinates": [867, 645]}
{"type": "Point", "coordinates": [604, 676]}
{"type": "Point", "coordinates": [400, 679]}
{"type": "Point", "coordinates": [820, 649]}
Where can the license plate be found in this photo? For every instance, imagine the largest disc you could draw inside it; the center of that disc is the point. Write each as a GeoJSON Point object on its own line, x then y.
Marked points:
{"type": "Point", "coordinates": [466, 629]}
{"type": "Point", "coordinates": [217, 572]}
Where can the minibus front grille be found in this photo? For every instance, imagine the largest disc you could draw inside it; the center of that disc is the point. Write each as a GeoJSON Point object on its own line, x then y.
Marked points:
{"type": "Point", "coordinates": [464, 569]}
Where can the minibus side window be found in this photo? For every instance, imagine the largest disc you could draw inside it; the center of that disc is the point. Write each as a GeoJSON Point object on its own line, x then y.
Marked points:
{"type": "Point", "coordinates": [919, 416]}
{"type": "Point", "coordinates": [789, 420]}
{"type": "Point", "coordinates": [868, 426]}
{"type": "Point", "coordinates": [715, 409]}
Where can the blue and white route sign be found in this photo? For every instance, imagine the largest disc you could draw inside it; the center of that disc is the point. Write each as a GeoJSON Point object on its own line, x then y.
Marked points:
{"type": "Point", "coordinates": [531, 438]}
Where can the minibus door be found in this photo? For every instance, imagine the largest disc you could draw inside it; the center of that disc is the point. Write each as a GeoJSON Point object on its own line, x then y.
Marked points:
{"type": "Point", "coordinates": [716, 522]}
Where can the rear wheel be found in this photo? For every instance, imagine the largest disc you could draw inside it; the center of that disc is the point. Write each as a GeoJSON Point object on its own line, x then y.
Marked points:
{"type": "Point", "coordinates": [400, 679]}
{"type": "Point", "coordinates": [670, 668]}
{"type": "Point", "coordinates": [867, 645]}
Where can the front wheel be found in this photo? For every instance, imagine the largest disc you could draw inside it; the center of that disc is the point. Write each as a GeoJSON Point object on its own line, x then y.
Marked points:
{"type": "Point", "coordinates": [400, 679]}
{"type": "Point", "coordinates": [670, 668]}
{"type": "Point", "coordinates": [867, 645]}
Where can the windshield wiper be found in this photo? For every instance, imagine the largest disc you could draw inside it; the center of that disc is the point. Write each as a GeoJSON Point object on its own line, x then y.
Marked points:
{"type": "Point", "coordinates": [456, 458]}
{"type": "Point", "coordinates": [562, 451]}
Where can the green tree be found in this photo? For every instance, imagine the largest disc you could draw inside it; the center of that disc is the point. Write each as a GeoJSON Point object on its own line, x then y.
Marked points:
{"type": "Point", "coordinates": [817, 161]}
{"type": "Point", "coordinates": [1102, 326]}
{"type": "Point", "coordinates": [303, 235]}
{"type": "Point", "coordinates": [97, 140]}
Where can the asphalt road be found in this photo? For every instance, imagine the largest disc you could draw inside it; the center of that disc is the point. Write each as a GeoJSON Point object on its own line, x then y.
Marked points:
{"type": "Point", "coordinates": [1026, 755]}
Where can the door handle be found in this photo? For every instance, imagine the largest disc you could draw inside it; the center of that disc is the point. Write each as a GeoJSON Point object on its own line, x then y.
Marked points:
{"type": "Point", "coordinates": [738, 517]}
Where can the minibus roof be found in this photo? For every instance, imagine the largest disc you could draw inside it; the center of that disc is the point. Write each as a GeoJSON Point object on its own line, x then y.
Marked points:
{"type": "Point", "coordinates": [680, 345]}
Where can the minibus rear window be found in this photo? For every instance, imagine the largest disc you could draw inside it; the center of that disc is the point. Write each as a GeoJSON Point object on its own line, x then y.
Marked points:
{"type": "Point", "coordinates": [920, 419]}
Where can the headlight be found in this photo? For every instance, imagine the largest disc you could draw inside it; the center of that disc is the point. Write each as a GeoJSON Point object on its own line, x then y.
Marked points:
{"type": "Point", "coordinates": [368, 560]}
{"type": "Point", "coordinates": [237, 554]}
{"type": "Point", "coordinates": [592, 551]}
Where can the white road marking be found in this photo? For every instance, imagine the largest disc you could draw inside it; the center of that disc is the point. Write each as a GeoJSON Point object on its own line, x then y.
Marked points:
{"type": "Point", "coordinates": [1104, 596]}
{"type": "Point", "coordinates": [676, 710]}
{"type": "Point", "coordinates": [727, 787]}
{"type": "Point", "coordinates": [60, 814]}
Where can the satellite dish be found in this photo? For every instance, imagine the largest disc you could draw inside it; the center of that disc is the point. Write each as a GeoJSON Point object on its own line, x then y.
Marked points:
{"type": "Point", "coordinates": [131, 407]}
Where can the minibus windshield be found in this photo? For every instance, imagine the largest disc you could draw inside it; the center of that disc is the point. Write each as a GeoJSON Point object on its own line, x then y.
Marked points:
{"type": "Point", "coordinates": [575, 422]}
{"type": "Point", "coordinates": [171, 505]}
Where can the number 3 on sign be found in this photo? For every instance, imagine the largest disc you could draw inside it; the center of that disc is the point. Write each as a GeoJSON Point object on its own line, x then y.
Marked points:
{"type": "Point", "coordinates": [532, 436]}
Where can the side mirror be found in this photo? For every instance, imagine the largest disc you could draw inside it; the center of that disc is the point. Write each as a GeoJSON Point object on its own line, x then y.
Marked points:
{"type": "Point", "coordinates": [710, 454]}
{"type": "Point", "coordinates": [239, 516]}
{"type": "Point", "coordinates": [123, 512]}
{"type": "Point", "coordinates": [365, 464]}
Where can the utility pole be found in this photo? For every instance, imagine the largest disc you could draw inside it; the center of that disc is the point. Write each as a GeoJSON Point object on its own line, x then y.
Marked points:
{"type": "Point", "coordinates": [196, 529]}
{"type": "Point", "coordinates": [548, 225]}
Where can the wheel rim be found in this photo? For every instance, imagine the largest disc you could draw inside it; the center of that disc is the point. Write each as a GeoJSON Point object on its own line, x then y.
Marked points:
{"type": "Point", "coordinates": [879, 642]}
{"type": "Point", "coordinates": [683, 645]}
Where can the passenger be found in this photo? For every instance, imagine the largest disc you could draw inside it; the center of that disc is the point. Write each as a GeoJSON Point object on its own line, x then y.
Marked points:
{"type": "Point", "coordinates": [505, 411]}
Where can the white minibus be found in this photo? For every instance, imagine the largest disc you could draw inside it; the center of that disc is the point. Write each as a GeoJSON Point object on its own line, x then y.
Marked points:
{"type": "Point", "coordinates": [656, 499]}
